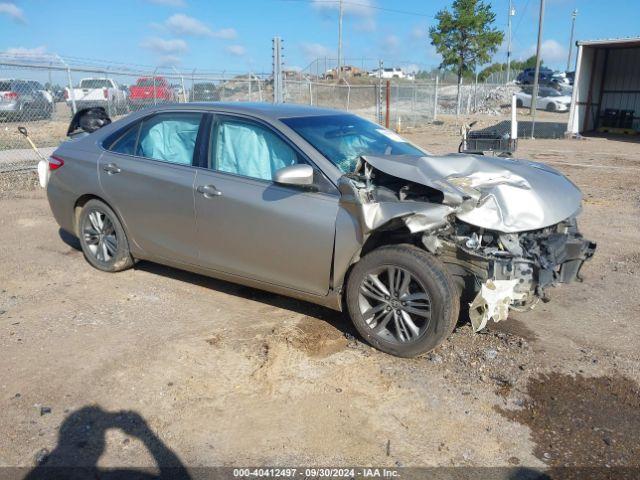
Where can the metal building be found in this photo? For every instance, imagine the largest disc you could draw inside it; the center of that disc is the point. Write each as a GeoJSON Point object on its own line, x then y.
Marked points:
{"type": "Point", "coordinates": [606, 90]}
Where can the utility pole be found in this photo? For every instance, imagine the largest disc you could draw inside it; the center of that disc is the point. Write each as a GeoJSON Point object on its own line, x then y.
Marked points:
{"type": "Point", "coordinates": [534, 94]}
{"type": "Point", "coordinates": [340, 42]}
{"type": "Point", "coordinates": [512, 12]}
{"type": "Point", "coordinates": [574, 14]}
{"type": "Point", "coordinates": [278, 86]}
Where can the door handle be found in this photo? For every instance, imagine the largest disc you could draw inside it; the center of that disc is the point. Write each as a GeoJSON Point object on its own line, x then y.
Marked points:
{"type": "Point", "coordinates": [111, 168]}
{"type": "Point", "coordinates": [209, 191]}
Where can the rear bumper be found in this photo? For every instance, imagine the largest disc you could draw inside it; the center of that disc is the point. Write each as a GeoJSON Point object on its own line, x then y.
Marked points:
{"type": "Point", "coordinates": [61, 202]}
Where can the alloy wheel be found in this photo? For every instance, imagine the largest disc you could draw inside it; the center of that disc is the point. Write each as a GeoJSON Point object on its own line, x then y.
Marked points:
{"type": "Point", "coordinates": [99, 235]}
{"type": "Point", "coordinates": [394, 304]}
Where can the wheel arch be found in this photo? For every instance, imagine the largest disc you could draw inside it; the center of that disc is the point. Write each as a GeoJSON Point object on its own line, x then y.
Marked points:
{"type": "Point", "coordinates": [82, 201]}
{"type": "Point", "coordinates": [377, 239]}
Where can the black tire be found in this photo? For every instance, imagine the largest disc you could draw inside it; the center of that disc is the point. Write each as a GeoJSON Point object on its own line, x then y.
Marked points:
{"type": "Point", "coordinates": [519, 103]}
{"type": "Point", "coordinates": [116, 258]}
{"type": "Point", "coordinates": [551, 107]}
{"type": "Point", "coordinates": [430, 274]}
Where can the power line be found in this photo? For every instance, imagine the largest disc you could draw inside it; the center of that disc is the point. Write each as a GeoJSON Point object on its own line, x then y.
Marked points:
{"type": "Point", "coordinates": [524, 11]}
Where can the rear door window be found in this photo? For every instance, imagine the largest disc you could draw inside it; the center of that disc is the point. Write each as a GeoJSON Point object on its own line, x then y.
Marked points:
{"type": "Point", "coordinates": [169, 137]}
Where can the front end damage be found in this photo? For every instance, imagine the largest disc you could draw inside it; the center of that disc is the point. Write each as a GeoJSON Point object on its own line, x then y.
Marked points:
{"type": "Point", "coordinates": [505, 229]}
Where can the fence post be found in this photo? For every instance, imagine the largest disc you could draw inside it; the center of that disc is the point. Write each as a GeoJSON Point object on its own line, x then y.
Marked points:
{"type": "Point", "coordinates": [193, 81]}
{"type": "Point", "coordinates": [184, 92]}
{"type": "Point", "coordinates": [278, 84]}
{"type": "Point", "coordinates": [388, 99]}
{"type": "Point", "coordinates": [71, 93]}
{"type": "Point", "coordinates": [435, 101]}
{"type": "Point", "coordinates": [154, 86]}
{"type": "Point", "coordinates": [514, 120]}
{"type": "Point", "coordinates": [348, 93]}
{"type": "Point", "coordinates": [379, 96]}
{"type": "Point", "coordinates": [413, 104]}
{"type": "Point", "coordinates": [310, 94]}
{"type": "Point", "coordinates": [475, 94]}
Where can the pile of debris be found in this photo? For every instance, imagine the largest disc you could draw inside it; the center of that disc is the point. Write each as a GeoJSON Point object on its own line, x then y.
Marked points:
{"type": "Point", "coordinates": [497, 99]}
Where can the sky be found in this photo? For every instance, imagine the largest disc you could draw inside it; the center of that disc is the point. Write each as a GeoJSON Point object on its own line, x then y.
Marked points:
{"type": "Point", "coordinates": [235, 35]}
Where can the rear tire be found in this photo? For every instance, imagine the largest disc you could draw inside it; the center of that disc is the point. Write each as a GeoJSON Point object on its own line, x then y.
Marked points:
{"type": "Point", "coordinates": [519, 103]}
{"type": "Point", "coordinates": [102, 238]}
{"type": "Point", "coordinates": [394, 282]}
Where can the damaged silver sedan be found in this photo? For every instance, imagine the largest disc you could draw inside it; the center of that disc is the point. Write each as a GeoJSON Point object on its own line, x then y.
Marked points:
{"type": "Point", "coordinates": [322, 206]}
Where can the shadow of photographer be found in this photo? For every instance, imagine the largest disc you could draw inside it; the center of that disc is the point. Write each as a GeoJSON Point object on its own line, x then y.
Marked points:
{"type": "Point", "coordinates": [82, 440]}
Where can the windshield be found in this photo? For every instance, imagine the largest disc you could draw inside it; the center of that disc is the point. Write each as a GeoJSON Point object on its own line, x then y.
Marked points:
{"type": "Point", "coordinates": [95, 83]}
{"type": "Point", "coordinates": [550, 92]}
{"type": "Point", "coordinates": [344, 138]}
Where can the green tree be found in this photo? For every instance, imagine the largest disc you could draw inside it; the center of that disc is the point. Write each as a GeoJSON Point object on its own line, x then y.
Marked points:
{"type": "Point", "coordinates": [465, 37]}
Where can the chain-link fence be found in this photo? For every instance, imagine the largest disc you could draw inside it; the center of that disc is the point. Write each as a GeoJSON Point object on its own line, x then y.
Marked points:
{"type": "Point", "coordinates": [43, 95]}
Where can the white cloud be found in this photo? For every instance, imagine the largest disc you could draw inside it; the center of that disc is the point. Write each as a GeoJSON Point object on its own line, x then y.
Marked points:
{"type": "Point", "coordinates": [12, 11]}
{"type": "Point", "coordinates": [226, 33]}
{"type": "Point", "coordinates": [181, 24]}
{"type": "Point", "coordinates": [237, 50]}
{"type": "Point", "coordinates": [169, 3]}
{"type": "Point", "coordinates": [419, 33]}
{"type": "Point", "coordinates": [315, 50]}
{"type": "Point", "coordinates": [160, 45]}
{"type": "Point", "coordinates": [361, 8]}
{"type": "Point", "coordinates": [551, 51]}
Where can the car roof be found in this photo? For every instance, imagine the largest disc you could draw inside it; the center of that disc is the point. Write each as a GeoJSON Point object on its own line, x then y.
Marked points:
{"type": "Point", "coordinates": [265, 110]}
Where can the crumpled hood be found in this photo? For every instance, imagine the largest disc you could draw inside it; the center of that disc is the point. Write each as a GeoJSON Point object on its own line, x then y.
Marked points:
{"type": "Point", "coordinates": [491, 192]}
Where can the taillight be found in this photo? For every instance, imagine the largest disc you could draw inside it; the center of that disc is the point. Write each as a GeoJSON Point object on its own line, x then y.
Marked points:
{"type": "Point", "coordinates": [55, 162]}
{"type": "Point", "coordinates": [105, 92]}
{"type": "Point", "coordinates": [11, 95]}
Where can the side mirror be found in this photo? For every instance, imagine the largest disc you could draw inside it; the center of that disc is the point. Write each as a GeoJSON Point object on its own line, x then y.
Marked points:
{"type": "Point", "coordinates": [299, 174]}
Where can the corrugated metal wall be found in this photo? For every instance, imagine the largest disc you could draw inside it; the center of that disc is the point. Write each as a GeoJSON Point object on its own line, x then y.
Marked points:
{"type": "Point", "coordinates": [622, 81]}
{"type": "Point", "coordinates": [620, 89]}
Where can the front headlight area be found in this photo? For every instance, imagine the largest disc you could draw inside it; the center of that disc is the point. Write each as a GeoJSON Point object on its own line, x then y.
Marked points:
{"type": "Point", "coordinates": [512, 271]}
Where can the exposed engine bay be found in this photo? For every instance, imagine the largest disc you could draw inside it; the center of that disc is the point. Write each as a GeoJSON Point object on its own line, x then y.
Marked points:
{"type": "Point", "coordinates": [505, 229]}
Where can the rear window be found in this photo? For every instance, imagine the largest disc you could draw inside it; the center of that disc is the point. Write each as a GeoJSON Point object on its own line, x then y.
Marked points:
{"type": "Point", "coordinates": [148, 82]}
{"type": "Point", "coordinates": [95, 83]}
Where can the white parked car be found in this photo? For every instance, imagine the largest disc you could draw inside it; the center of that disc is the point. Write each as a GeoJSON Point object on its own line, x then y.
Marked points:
{"type": "Point", "coordinates": [388, 73]}
{"type": "Point", "coordinates": [99, 92]}
{"type": "Point", "coordinates": [548, 99]}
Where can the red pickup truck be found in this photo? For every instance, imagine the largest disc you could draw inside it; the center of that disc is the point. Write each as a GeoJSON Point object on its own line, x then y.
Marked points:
{"type": "Point", "coordinates": [150, 91]}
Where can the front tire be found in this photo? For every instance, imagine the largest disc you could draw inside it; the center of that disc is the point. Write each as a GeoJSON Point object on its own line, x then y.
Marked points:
{"type": "Point", "coordinates": [402, 300]}
{"type": "Point", "coordinates": [551, 107]}
{"type": "Point", "coordinates": [102, 238]}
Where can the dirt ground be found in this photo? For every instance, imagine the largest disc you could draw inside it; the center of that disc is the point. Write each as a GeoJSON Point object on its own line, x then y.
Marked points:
{"type": "Point", "coordinates": [158, 365]}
